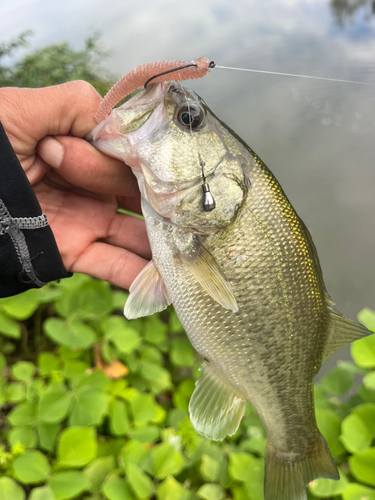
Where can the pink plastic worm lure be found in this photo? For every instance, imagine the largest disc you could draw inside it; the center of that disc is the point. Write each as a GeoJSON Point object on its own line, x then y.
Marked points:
{"type": "Point", "coordinates": [142, 75]}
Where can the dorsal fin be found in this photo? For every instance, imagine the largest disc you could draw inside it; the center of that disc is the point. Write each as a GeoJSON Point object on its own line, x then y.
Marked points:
{"type": "Point", "coordinates": [148, 294]}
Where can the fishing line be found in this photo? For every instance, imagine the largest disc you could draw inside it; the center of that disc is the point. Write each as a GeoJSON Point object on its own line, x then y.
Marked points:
{"type": "Point", "coordinates": [208, 200]}
{"type": "Point", "coordinates": [192, 65]}
{"type": "Point", "coordinates": [291, 74]}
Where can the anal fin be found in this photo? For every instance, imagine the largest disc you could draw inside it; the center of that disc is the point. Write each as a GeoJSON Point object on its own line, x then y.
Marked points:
{"type": "Point", "coordinates": [215, 409]}
{"type": "Point", "coordinates": [148, 294]}
{"type": "Point", "coordinates": [342, 331]}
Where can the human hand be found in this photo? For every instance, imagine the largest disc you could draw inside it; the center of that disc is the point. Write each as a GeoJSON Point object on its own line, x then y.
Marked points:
{"type": "Point", "coordinates": [79, 188]}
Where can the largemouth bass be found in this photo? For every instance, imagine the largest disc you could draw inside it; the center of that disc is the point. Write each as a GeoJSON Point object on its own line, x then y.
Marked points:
{"type": "Point", "coordinates": [243, 277]}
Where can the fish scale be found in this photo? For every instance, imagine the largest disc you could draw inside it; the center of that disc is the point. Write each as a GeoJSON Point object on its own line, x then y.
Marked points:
{"type": "Point", "coordinates": [244, 278]}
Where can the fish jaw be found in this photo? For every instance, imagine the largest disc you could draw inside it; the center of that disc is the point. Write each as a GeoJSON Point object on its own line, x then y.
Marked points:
{"type": "Point", "coordinates": [166, 156]}
{"type": "Point", "coordinates": [139, 117]}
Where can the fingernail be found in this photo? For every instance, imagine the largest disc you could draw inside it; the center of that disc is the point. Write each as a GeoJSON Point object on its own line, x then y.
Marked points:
{"type": "Point", "coordinates": [52, 152]}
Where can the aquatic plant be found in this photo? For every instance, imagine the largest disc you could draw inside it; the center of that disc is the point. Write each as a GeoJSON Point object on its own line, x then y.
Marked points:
{"type": "Point", "coordinates": [94, 406]}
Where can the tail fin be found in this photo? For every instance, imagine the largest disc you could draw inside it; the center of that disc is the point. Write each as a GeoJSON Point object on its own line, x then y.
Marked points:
{"type": "Point", "coordinates": [286, 477]}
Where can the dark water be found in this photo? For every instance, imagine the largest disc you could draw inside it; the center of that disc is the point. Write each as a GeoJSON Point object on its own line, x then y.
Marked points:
{"type": "Point", "coordinates": [318, 138]}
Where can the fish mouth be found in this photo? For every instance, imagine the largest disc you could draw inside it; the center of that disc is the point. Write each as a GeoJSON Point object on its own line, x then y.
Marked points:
{"type": "Point", "coordinates": [119, 133]}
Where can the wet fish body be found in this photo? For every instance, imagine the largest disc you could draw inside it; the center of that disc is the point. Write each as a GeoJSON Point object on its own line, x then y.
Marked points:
{"type": "Point", "coordinates": [244, 278]}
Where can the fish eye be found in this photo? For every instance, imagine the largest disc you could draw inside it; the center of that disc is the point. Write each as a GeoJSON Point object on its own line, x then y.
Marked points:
{"type": "Point", "coordinates": [190, 116]}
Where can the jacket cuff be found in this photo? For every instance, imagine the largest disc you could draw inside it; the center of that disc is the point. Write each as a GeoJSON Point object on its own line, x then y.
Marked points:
{"type": "Point", "coordinates": [29, 257]}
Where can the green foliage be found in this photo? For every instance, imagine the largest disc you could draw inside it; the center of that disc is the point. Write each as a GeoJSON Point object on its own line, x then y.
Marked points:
{"type": "Point", "coordinates": [54, 64]}
{"type": "Point", "coordinates": [73, 428]}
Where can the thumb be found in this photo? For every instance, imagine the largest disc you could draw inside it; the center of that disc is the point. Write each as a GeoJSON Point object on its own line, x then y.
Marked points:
{"type": "Point", "coordinates": [28, 115]}
{"type": "Point", "coordinates": [78, 162]}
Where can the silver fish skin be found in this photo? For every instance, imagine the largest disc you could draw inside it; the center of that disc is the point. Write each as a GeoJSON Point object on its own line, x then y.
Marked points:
{"type": "Point", "coordinates": [244, 278]}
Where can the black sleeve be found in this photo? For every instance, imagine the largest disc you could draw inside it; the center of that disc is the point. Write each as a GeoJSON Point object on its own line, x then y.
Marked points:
{"type": "Point", "coordinates": [29, 257]}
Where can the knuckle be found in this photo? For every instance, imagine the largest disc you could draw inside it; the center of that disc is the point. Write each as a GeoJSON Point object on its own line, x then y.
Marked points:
{"type": "Point", "coordinates": [119, 264]}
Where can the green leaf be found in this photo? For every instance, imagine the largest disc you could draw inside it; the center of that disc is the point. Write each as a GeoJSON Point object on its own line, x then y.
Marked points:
{"type": "Point", "coordinates": [139, 481]}
{"type": "Point", "coordinates": [330, 426]}
{"type": "Point", "coordinates": [73, 369]}
{"type": "Point", "coordinates": [256, 445]}
{"type": "Point", "coordinates": [21, 306]}
{"type": "Point", "coordinates": [209, 468]}
{"type": "Point", "coordinates": [211, 491]}
{"type": "Point", "coordinates": [119, 299]}
{"type": "Point", "coordinates": [48, 435]}
{"type": "Point", "coordinates": [125, 338]}
{"type": "Point", "coordinates": [77, 447]}
{"type": "Point", "coordinates": [171, 489]}
{"type": "Point", "coordinates": [31, 467]}
{"type": "Point", "coordinates": [182, 353]}
{"type": "Point", "coordinates": [97, 470]}
{"type": "Point", "coordinates": [350, 367]}
{"type": "Point", "coordinates": [165, 460]}
{"type": "Point", "coordinates": [147, 434]}
{"type": "Point", "coordinates": [174, 323]}
{"type": "Point", "coordinates": [367, 318]}
{"type": "Point", "coordinates": [22, 435]}
{"type": "Point", "coordinates": [9, 327]}
{"type": "Point", "coordinates": [23, 370]}
{"type": "Point", "coordinates": [355, 491]}
{"type": "Point", "coordinates": [95, 299]}
{"type": "Point", "coordinates": [3, 362]}
{"type": "Point", "coordinates": [47, 363]}
{"type": "Point", "coordinates": [239, 466]}
{"type": "Point", "coordinates": [35, 389]}
{"type": "Point", "coordinates": [367, 413]}
{"type": "Point", "coordinates": [90, 409]}
{"type": "Point", "coordinates": [23, 414]}
{"type": "Point", "coordinates": [97, 381]}
{"type": "Point", "coordinates": [73, 334]}
{"type": "Point", "coordinates": [43, 493]}
{"type": "Point", "coordinates": [159, 378]}
{"type": "Point", "coordinates": [55, 404]}
{"type": "Point", "coordinates": [337, 381]}
{"type": "Point", "coordinates": [132, 453]}
{"type": "Point", "coordinates": [155, 330]}
{"type": "Point", "coordinates": [223, 477]}
{"type": "Point", "coordinates": [9, 489]}
{"type": "Point", "coordinates": [144, 409]}
{"type": "Point", "coordinates": [87, 300]}
{"type": "Point", "coordinates": [118, 420]}
{"type": "Point", "coordinates": [327, 488]}
{"type": "Point", "coordinates": [369, 381]}
{"type": "Point", "coordinates": [254, 484]}
{"type": "Point", "coordinates": [50, 293]}
{"type": "Point", "coordinates": [362, 466]}
{"type": "Point", "coordinates": [115, 488]}
{"type": "Point", "coordinates": [16, 392]}
{"type": "Point", "coordinates": [355, 434]}
{"type": "Point", "coordinates": [366, 394]}
{"type": "Point", "coordinates": [151, 353]}
{"type": "Point", "coordinates": [363, 352]}
{"type": "Point", "coordinates": [249, 470]}
{"type": "Point", "coordinates": [69, 484]}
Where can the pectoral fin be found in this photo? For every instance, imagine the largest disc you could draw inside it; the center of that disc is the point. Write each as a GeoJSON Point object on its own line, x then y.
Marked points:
{"type": "Point", "coordinates": [207, 272]}
{"type": "Point", "coordinates": [342, 331]}
{"type": "Point", "coordinates": [215, 410]}
{"type": "Point", "coordinates": [148, 294]}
